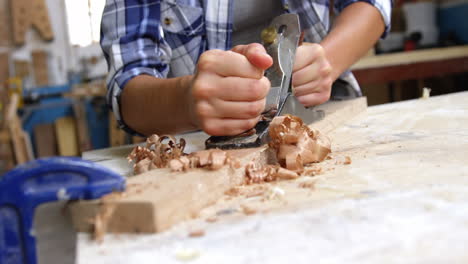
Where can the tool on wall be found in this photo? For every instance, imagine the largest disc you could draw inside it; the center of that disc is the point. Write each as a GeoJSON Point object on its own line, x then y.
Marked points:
{"type": "Point", "coordinates": [281, 40]}
{"type": "Point", "coordinates": [27, 186]}
{"type": "Point", "coordinates": [27, 14]}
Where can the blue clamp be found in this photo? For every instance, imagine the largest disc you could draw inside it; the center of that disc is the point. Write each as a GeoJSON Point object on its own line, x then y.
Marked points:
{"type": "Point", "coordinates": [42, 181]}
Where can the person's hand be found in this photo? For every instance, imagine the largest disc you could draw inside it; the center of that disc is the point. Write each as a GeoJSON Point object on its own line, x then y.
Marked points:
{"type": "Point", "coordinates": [229, 89]}
{"type": "Point", "coordinates": [312, 75]}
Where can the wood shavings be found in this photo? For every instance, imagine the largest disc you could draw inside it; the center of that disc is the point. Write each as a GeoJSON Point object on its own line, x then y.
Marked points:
{"type": "Point", "coordinates": [312, 171]}
{"type": "Point", "coordinates": [247, 210]}
{"type": "Point", "coordinates": [256, 173]}
{"type": "Point", "coordinates": [346, 160]}
{"type": "Point", "coordinates": [247, 191]}
{"type": "Point", "coordinates": [296, 144]}
{"type": "Point", "coordinates": [307, 184]}
{"type": "Point", "coordinates": [212, 159]}
{"type": "Point", "coordinates": [166, 152]}
{"type": "Point", "coordinates": [157, 153]}
{"type": "Point", "coordinates": [197, 233]}
{"type": "Point", "coordinates": [212, 219]}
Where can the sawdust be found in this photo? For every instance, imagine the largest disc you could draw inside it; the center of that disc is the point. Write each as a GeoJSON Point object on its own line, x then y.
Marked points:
{"type": "Point", "coordinates": [166, 152]}
{"type": "Point", "coordinates": [211, 219]}
{"type": "Point", "coordinates": [247, 210]}
{"type": "Point", "coordinates": [346, 160]}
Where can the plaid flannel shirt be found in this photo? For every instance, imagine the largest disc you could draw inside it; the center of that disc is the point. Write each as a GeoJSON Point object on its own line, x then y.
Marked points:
{"type": "Point", "coordinates": [164, 38]}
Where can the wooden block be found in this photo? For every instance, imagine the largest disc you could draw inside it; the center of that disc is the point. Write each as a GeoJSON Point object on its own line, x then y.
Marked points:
{"type": "Point", "coordinates": [82, 126]}
{"type": "Point", "coordinates": [27, 145]}
{"type": "Point", "coordinates": [5, 23]}
{"type": "Point", "coordinates": [45, 140]}
{"type": "Point", "coordinates": [6, 151]}
{"type": "Point", "coordinates": [40, 67]}
{"type": "Point", "coordinates": [157, 200]}
{"type": "Point", "coordinates": [21, 68]}
{"type": "Point", "coordinates": [4, 68]}
{"type": "Point", "coordinates": [65, 131]}
{"type": "Point", "coordinates": [19, 141]}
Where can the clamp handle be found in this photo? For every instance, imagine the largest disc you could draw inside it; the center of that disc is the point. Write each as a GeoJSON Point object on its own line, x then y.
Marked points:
{"type": "Point", "coordinates": [42, 181]}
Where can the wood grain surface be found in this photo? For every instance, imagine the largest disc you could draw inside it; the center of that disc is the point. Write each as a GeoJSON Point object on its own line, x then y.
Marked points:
{"type": "Point", "coordinates": [156, 200]}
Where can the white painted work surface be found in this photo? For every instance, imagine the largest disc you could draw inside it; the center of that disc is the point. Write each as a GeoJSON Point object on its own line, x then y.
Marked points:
{"type": "Point", "coordinates": [403, 199]}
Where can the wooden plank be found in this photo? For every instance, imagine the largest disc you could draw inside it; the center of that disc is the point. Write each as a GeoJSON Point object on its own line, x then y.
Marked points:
{"type": "Point", "coordinates": [13, 124]}
{"type": "Point", "coordinates": [117, 136]}
{"type": "Point", "coordinates": [40, 67]}
{"type": "Point", "coordinates": [27, 144]}
{"type": "Point", "coordinates": [6, 151]}
{"type": "Point", "coordinates": [21, 21]}
{"type": "Point", "coordinates": [5, 24]}
{"type": "Point", "coordinates": [411, 57]}
{"type": "Point", "coordinates": [412, 71]}
{"type": "Point", "coordinates": [65, 131]}
{"type": "Point", "coordinates": [4, 68]}
{"type": "Point", "coordinates": [156, 200]}
{"type": "Point", "coordinates": [45, 140]}
{"type": "Point", "coordinates": [21, 68]}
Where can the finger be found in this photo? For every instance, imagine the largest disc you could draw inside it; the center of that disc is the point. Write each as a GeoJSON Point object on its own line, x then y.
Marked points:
{"type": "Point", "coordinates": [306, 54]}
{"type": "Point", "coordinates": [317, 86]}
{"type": "Point", "coordinates": [228, 127]}
{"type": "Point", "coordinates": [307, 74]}
{"type": "Point", "coordinates": [228, 109]}
{"type": "Point", "coordinates": [227, 63]}
{"type": "Point", "coordinates": [312, 87]}
{"type": "Point", "coordinates": [314, 98]}
{"type": "Point", "coordinates": [242, 89]}
{"type": "Point", "coordinates": [256, 54]}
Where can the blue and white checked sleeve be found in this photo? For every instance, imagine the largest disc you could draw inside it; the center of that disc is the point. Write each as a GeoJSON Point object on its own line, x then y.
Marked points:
{"type": "Point", "coordinates": [133, 43]}
{"type": "Point", "coordinates": [384, 7]}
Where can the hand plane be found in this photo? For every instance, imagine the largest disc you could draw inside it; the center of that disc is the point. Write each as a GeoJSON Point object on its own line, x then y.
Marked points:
{"type": "Point", "coordinates": [280, 40]}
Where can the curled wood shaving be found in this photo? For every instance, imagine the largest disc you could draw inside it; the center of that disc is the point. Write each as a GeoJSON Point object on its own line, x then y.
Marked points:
{"type": "Point", "coordinates": [213, 159]}
{"type": "Point", "coordinates": [256, 173]}
{"type": "Point", "coordinates": [166, 152]}
{"type": "Point", "coordinates": [296, 144]}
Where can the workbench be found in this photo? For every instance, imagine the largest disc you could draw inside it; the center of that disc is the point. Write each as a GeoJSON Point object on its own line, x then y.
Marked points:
{"type": "Point", "coordinates": [401, 200]}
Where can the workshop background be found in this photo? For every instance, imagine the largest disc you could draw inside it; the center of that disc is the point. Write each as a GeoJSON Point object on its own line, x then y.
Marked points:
{"type": "Point", "coordinates": [52, 71]}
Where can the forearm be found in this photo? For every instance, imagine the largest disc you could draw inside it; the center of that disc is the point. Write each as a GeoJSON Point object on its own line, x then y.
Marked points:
{"type": "Point", "coordinates": [152, 105]}
{"type": "Point", "coordinates": [354, 32]}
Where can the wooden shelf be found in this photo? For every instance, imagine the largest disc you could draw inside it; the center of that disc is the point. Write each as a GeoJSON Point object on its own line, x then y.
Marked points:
{"type": "Point", "coordinates": [411, 65]}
